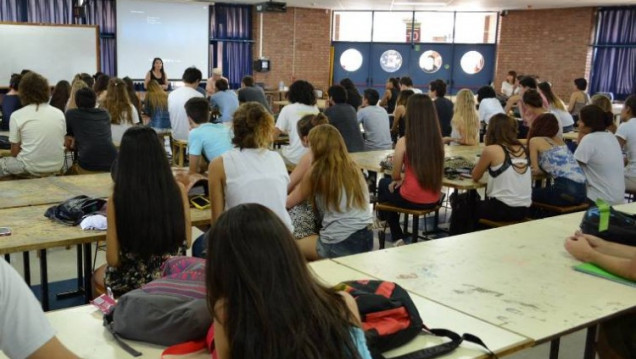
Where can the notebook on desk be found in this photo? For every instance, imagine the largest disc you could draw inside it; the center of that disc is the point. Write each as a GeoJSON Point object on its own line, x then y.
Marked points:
{"type": "Point", "coordinates": [594, 270]}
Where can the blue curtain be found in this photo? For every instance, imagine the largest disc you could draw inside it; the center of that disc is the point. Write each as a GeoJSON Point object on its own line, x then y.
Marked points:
{"type": "Point", "coordinates": [232, 25]}
{"type": "Point", "coordinates": [50, 11]}
{"type": "Point", "coordinates": [10, 11]}
{"type": "Point", "coordinates": [102, 14]}
{"type": "Point", "coordinates": [614, 56]}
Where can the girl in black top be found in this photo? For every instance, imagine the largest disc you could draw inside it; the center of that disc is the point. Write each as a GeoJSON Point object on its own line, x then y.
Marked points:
{"type": "Point", "coordinates": [157, 73]}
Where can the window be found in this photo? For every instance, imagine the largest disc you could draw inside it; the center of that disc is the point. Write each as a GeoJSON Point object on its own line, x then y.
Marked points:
{"type": "Point", "coordinates": [434, 26]}
{"type": "Point", "coordinates": [352, 26]}
{"type": "Point", "coordinates": [392, 26]}
{"type": "Point", "coordinates": [476, 27]}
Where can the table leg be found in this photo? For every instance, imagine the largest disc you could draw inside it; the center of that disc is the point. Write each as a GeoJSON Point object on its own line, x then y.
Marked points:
{"type": "Point", "coordinates": [554, 348]}
{"type": "Point", "coordinates": [44, 279]}
{"type": "Point", "coordinates": [80, 278]}
{"type": "Point", "coordinates": [590, 343]}
{"type": "Point", "coordinates": [7, 257]}
{"type": "Point", "coordinates": [27, 267]}
{"type": "Point", "coordinates": [88, 275]}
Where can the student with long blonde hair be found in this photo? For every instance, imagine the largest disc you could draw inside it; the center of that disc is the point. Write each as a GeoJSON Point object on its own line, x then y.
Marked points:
{"type": "Point", "coordinates": [337, 189]}
{"type": "Point", "coordinates": [122, 112]}
{"type": "Point", "coordinates": [77, 84]}
{"type": "Point", "coordinates": [465, 122]}
{"type": "Point", "coordinates": [156, 106]}
{"type": "Point", "coordinates": [421, 153]}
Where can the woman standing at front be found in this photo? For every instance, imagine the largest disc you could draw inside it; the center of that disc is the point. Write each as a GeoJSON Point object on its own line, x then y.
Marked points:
{"type": "Point", "coordinates": [157, 73]}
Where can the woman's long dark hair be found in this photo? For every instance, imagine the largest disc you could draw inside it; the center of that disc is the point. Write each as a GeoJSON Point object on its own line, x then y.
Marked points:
{"type": "Point", "coordinates": [424, 146]}
{"type": "Point", "coordinates": [60, 95]}
{"type": "Point", "coordinates": [148, 204]}
{"type": "Point", "coordinates": [272, 306]}
{"type": "Point", "coordinates": [152, 67]}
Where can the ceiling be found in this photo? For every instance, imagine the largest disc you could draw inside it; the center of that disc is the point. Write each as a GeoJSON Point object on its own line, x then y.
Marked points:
{"type": "Point", "coordinates": [463, 5]}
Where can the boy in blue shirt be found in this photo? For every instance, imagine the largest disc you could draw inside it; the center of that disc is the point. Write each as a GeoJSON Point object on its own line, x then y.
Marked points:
{"type": "Point", "coordinates": [206, 140]}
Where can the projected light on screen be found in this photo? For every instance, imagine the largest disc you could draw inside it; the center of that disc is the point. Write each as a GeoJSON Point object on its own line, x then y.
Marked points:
{"type": "Point", "coordinates": [178, 33]}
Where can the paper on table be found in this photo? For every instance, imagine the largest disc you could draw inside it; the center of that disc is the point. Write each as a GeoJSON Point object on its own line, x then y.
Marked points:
{"type": "Point", "coordinates": [594, 270]}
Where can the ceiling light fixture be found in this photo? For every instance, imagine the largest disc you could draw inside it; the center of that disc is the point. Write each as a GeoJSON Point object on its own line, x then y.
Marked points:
{"type": "Point", "coordinates": [413, 3]}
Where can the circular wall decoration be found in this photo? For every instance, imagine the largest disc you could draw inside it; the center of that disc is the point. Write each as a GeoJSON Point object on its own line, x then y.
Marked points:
{"type": "Point", "coordinates": [391, 61]}
{"type": "Point", "coordinates": [472, 62]}
{"type": "Point", "coordinates": [430, 61]}
{"type": "Point", "coordinates": [351, 60]}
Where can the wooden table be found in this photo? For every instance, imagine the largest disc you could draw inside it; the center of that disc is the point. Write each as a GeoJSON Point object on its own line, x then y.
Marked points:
{"type": "Point", "coordinates": [435, 316]}
{"type": "Point", "coordinates": [99, 185]}
{"type": "Point", "coordinates": [517, 277]}
{"type": "Point", "coordinates": [29, 192]}
{"type": "Point", "coordinates": [571, 136]}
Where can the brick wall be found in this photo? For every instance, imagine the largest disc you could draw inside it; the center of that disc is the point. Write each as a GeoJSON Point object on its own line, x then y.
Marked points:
{"type": "Point", "coordinates": [298, 44]}
{"type": "Point", "coordinates": [550, 43]}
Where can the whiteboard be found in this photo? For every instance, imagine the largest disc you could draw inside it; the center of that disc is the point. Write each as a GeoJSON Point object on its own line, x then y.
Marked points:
{"type": "Point", "coordinates": [57, 52]}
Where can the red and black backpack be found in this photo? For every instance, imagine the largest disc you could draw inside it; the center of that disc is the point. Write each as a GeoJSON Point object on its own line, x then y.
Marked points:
{"type": "Point", "coordinates": [390, 320]}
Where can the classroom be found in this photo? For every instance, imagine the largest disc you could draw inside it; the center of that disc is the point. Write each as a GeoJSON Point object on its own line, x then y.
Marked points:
{"type": "Point", "coordinates": [318, 179]}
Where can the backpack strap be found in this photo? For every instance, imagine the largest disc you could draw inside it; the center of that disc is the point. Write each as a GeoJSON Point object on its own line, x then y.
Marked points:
{"type": "Point", "coordinates": [445, 348]}
{"type": "Point", "coordinates": [108, 323]}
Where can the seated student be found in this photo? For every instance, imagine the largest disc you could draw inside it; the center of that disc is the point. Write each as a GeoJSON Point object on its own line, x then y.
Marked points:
{"type": "Point", "coordinates": [89, 128]}
{"type": "Point", "coordinates": [101, 87]}
{"type": "Point", "coordinates": [132, 95]}
{"type": "Point", "coordinates": [224, 100]}
{"type": "Point", "coordinates": [26, 333]}
{"type": "Point", "coordinates": [77, 84]}
{"type": "Point", "coordinates": [123, 114]}
{"type": "Point", "coordinates": [206, 140]}
{"type": "Point", "coordinates": [392, 90]}
{"type": "Point", "coordinates": [509, 86]}
{"type": "Point", "coordinates": [599, 155]}
{"type": "Point", "coordinates": [626, 135]}
{"type": "Point", "coordinates": [510, 182]}
{"type": "Point", "coordinates": [398, 128]}
{"type": "Point", "coordinates": [177, 99]}
{"type": "Point", "coordinates": [302, 215]}
{"type": "Point", "coordinates": [578, 99]}
{"type": "Point", "coordinates": [550, 155]}
{"type": "Point", "coordinates": [302, 102]}
{"type": "Point", "coordinates": [557, 107]}
{"type": "Point", "coordinates": [10, 101]}
{"type": "Point", "coordinates": [489, 104]}
{"type": "Point", "coordinates": [375, 121]}
{"type": "Point", "coordinates": [465, 122]}
{"type": "Point", "coordinates": [617, 338]}
{"type": "Point", "coordinates": [353, 96]}
{"type": "Point", "coordinates": [243, 265]}
{"type": "Point", "coordinates": [443, 106]}
{"type": "Point", "coordinates": [148, 214]}
{"type": "Point", "coordinates": [60, 95]}
{"type": "Point", "coordinates": [407, 84]}
{"type": "Point", "coordinates": [248, 93]}
{"type": "Point", "coordinates": [36, 132]}
{"type": "Point", "coordinates": [526, 83]}
{"type": "Point", "coordinates": [343, 117]}
{"type": "Point", "coordinates": [421, 153]}
{"type": "Point", "coordinates": [250, 172]}
{"type": "Point", "coordinates": [336, 187]}
{"type": "Point", "coordinates": [156, 107]}
{"type": "Point", "coordinates": [532, 101]}
{"type": "Point", "coordinates": [217, 74]}
{"type": "Point", "coordinates": [605, 104]}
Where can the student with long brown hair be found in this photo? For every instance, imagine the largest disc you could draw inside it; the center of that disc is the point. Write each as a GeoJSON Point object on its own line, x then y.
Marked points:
{"type": "Point", "coordinates": [264, 300]}
{"type": "Point", "coordinates": [465, 122]}
{"type": "Point", "coordinates": [421, 153]}
{"type": "Point", "coordinates": [122, 112]}
{"type": "Point", "coordinates": [61, 94]}
{"type": "Point", "coordinates": [506, 160]}
{"type": "Point", "coordinates": [336, 187]}
{"type": "Point", "coordinates": [549, 155]}
{"type": "Point", "coordinates": [557, 107]}
{"type": "Point", "coordinates": [398, 127]}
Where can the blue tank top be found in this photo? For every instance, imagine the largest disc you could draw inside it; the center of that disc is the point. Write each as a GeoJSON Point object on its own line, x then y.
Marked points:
{"type": "Point", "coordinates": [559, 162]}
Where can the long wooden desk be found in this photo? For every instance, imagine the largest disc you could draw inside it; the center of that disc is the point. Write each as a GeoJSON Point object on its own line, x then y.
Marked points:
{"type": "Point", "coordinates": [81, 329]}
{"type": "Point", "coordinates": [517, 277]}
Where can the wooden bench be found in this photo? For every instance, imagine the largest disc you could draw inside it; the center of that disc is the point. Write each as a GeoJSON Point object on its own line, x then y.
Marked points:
{"type": "Point", "coordinates": [497, 224]}
{"type": "Point", "coordinates": [178, 151]}
{"type": "Point", "coordinates": [416, 213]}
{"type": "Point", "coordinates": [560, 209]}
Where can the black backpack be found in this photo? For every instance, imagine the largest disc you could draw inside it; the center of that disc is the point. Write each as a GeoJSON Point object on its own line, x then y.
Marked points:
{"type": "Point", "coordinates": [73, 210]}
{"type": "Point", "coordinates": [4, 143]}
{"type": "Point", "coordinates": [464, 212]}
{"type": "Point", "coordinates": [390, 319]}
{"type": "Point", "coordinates": [621, 226]}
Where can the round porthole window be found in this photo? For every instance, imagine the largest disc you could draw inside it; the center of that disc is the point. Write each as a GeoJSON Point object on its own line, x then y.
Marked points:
{"type": "Point", "coordinates": [430, 61]}
{"type": "Point", "coordinates": [391, 61]}
{"type": "Point", "coordinates": [351, 60]}
{"type": "Point", "coordinates": [472, 62]}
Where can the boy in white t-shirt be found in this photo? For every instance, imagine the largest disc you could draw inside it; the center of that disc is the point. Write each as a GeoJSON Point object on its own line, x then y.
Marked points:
{"type": "Point", "coordinates": [36, 132]}
{"type": "Point", "coordinates": [178, 98]}
{"type": "Point", "coordinates": [302, 102]}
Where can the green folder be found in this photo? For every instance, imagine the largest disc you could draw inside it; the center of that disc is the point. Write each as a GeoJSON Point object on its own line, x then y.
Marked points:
{"type": "Point", "coordinates": [594, 270]}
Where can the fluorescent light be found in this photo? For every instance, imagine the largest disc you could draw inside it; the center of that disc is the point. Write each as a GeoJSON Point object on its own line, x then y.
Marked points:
{"type": "Point", "coordinates": [419, 3]}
